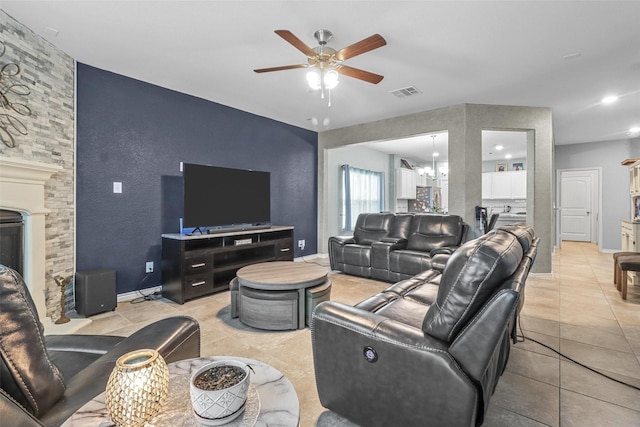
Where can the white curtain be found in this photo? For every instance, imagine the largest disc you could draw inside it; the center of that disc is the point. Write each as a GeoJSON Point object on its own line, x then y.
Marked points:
{"type": "Point", "coordinates": [362, 192]}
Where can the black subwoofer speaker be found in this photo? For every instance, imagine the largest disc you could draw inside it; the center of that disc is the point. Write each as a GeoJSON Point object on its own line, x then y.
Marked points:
{"type": "Point", "coordinates": [95, 291]}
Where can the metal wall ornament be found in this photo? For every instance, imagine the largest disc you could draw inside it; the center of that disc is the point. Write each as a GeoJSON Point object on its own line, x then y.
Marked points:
{"type": "Point", "coordinates": [10, 110]}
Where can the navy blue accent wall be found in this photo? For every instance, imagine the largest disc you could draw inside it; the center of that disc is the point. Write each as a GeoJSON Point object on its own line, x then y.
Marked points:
{"type": "Point", "coordinates": [136, 133]}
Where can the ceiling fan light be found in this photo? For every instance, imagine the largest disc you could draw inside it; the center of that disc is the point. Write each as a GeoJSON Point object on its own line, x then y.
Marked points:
{"type": "Point", "coordinates": [331, 79]}
{"type": "Point", "coordinates": [313, 79]}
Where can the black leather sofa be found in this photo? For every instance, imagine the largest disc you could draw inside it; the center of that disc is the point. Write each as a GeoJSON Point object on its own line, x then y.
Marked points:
{"type": "Point", "coordinates": [429, 350]}
{"type": "Point", "coordinates": [45, 379]}
{"type": "Point", "coordinates": [392, 247]}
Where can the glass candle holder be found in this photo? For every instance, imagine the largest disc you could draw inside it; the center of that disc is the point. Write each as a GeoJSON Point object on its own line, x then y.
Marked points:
{"type": "Point", "coordinates": [137, 388]}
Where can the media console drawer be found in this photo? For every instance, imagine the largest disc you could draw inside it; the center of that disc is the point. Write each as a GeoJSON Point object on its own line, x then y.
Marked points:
{"type": "Point", "coordinates": [201, 284]}
{"type": "Point", "coordinates": [198, 264]}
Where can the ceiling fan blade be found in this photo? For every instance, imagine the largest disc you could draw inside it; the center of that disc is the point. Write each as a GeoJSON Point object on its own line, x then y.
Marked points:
{"type": "Point", "coordinates": [284, 67]}
{"type": "Point", "coordinates": [373, 42]}
{"type": "Point", "coordinates": [359, 74]}
{"type": "Point", "coordinates": [296, 42]}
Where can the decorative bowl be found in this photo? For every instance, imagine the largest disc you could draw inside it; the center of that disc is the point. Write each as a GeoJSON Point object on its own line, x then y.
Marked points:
{"type": "Point", "coordinates": [223, 404]}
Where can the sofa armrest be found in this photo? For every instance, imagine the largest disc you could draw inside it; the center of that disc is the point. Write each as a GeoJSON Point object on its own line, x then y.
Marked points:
{"type": "Point", "coordinates": [476, 344]}
{"type": "Point", "coordinates": [356, 353]}
{"type": "Point", "coordinates": [446, 250]}
{"type": "Point", "coordinates": [12, 414]}
{"type": "Point", "coordinates": [336, 250]}
{"type": "Point", "coordinates": [396, 242]}
{"type": "Point", "coordinates": [380, 251]}
{"type": "Point", "coordinates": [342, 240]}
{"type": "Point", "coordinates": [175, 338]}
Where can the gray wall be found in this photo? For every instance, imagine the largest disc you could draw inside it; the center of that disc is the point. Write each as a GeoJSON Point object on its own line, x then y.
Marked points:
{"type": "Point", "coordinates": [359, 157]}
{"type": "Point", "coordinates": [616, 202]}
{"type": "Point", "coordinates": [465, 124]}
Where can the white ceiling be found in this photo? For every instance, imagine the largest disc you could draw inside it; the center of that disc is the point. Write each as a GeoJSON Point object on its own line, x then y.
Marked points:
{"type": "Point", "coordinates": [454, 52]}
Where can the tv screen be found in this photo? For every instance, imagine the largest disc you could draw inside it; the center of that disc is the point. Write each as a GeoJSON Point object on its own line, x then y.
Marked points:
{"type": "Point", "coordinates": [220, 197]}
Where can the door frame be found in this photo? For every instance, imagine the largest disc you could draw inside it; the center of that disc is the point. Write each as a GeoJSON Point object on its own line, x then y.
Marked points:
{"type": "Point", "coordinates": [596, 202]}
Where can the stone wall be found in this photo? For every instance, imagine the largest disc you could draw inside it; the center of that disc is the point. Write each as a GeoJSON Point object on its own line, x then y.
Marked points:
{"type": "Point", "coordinates": [49, 73]}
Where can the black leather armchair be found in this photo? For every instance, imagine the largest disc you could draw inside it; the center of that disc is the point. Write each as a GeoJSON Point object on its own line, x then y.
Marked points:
{"type": "Point", "coordinates": [429, 350]}
{"type": "Point", "coordinates": [45, 379]}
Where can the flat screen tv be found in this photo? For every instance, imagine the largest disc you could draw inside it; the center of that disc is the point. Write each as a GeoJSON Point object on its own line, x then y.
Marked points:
{"type": "Point", "coordinates": [217, 197]}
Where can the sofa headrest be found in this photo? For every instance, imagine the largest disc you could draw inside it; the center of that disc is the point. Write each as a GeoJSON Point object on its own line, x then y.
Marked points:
{"type": "Point", "coordinates": [400, 226]}
{"type": "Point", "coordinates": [431, 231]}
{"type": "Point", "coordinates": [474, 272]}
{"type": "Point", "coordinates": [372, 227]}
{"type": "Point", "coordinates": [522, 231]}
{"type": "Point", "coordinates": [26, 373]}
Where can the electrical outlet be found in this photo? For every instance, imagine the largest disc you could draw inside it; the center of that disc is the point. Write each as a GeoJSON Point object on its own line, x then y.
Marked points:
{"type": "Point", "coordinates": [301, 244]}
{"type": "Point", "coordinates": [149, 267]}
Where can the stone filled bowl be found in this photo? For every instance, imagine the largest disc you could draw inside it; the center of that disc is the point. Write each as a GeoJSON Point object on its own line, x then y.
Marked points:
{"type": "Point", "coordinates": [223, 404]}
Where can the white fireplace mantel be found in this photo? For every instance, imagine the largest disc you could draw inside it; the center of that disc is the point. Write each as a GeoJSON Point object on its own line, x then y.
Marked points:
{"type": "Point", "coordinates": [22, 190]}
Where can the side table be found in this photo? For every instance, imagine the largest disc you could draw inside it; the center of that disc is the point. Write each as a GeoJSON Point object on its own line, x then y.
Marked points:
{"type": "Point", "coordinates": [271, 401]}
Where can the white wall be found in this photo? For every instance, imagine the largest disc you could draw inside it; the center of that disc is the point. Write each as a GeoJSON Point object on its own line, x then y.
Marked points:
{"type": "Point", "coordinates": [358, 157]}
{"type": "Point", "coordinates": [616, 201]}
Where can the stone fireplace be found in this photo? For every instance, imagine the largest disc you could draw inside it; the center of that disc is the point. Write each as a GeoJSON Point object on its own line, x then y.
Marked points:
{"type": "Point", "coordinates": [22, 189]}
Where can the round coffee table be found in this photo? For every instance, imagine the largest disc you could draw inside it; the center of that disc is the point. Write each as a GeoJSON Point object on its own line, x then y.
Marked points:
{"type": "Point", "coordinates": [278, 295]}
{"type": "Point", "coordinates": [271, 400]}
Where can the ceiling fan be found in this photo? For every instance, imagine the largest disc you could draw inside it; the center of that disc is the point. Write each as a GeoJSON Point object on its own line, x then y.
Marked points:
{"type": "Point", "coordinates": [328, 61]}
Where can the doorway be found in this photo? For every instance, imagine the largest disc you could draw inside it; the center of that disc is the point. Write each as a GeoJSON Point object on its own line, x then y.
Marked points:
{"type": "Point", "coordinates": [578, 201]}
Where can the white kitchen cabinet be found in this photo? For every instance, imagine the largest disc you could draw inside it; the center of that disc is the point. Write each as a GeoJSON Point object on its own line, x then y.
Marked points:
{"type": "Point", "coordinates": [406, 182]}
{"type": "Point", "coordinates": [519, 185]}
{"type": "Point", "coordinates": [500, 185]}
{"type": "Point", "coordinates": [504, 185]}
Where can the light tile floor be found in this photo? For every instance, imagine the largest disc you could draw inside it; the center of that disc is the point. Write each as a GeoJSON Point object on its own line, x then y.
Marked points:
{"type": "Point", "coordinates": [577, 311]}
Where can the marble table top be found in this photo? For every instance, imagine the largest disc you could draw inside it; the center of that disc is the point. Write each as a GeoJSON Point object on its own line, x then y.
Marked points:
{"type": "Point", "coordinates": [271, 400]}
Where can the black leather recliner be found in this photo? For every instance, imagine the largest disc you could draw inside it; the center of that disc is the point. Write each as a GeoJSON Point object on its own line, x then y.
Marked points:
{"type": "Point", "coordinates": [45, 379]}
{"type": "Point", "coordinates": [429, 350]}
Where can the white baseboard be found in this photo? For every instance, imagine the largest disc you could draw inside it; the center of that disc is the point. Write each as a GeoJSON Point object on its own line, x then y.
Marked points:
{"type": "Point", "coordinates": [312, 256]}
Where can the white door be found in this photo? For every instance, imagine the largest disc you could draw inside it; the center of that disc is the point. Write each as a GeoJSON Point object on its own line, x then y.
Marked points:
{"type": "Point", "coordinates": [576, 205]}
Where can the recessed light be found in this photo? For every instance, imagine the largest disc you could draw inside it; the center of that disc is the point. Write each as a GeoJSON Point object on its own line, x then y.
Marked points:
{"type": "Point", "coordinates": [609, 99]}
{"type": "Point", "coordinates": [634, 131]}
{"type": "Point", "coordinates": [499, 147]}
{"type": "Point", "coordinates": [436, 154]}
{"type": "Point", "coordinates": [508, 156]}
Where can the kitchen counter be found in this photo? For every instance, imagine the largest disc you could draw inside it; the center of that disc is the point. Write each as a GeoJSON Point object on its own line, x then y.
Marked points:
{"type": "Point", "coordinates": [513, 215]}
{"type": "Point", "coordinates": [507, 218]}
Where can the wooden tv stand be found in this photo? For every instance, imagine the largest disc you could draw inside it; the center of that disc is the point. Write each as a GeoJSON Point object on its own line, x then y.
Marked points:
{"type": "Point", "coordinates": [194, 266]}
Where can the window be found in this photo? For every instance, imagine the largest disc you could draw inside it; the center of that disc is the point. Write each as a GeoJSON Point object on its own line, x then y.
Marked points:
{"type": "Point", "coordinates": [362, 192]}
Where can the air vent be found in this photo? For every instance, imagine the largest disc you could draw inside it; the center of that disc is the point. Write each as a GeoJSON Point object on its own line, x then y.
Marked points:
{"type": "Point", "coordinates": [406, 91]}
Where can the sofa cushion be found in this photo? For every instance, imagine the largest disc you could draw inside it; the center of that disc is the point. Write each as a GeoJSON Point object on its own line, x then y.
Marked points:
{"type": "Point", "coordinates": [472, 275]}
{"type": "Point", "coordinates": [409, 262]}
{"type": "Point", "coordinates": [371, 227]}
{"type": "Point", "coordinates": [26, 371]}
{"type": "Point", "coordinates": [434, 231]}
